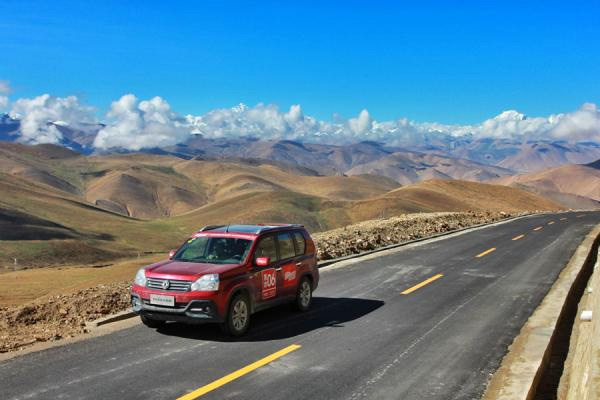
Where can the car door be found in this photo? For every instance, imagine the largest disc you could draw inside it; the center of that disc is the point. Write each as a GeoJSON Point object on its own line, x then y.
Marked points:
{"type": "Point", "coordinates": [288, 263]}
{"type": "Point", "coordinates": [268, 279]}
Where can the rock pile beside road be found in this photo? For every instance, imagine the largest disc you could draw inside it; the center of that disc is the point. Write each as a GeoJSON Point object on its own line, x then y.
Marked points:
{"type": "Point", "coordinates": [373, 234]}
{"type": "Point", "coordinates": [56, 317]}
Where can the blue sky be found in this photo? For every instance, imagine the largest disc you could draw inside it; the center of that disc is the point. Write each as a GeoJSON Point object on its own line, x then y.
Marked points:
{"type": "Point", "coordinates": [427, 61]}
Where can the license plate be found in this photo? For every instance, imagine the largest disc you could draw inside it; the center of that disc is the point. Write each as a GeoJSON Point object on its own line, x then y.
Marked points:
{"type": "Point", "coordinates": [161, 300]}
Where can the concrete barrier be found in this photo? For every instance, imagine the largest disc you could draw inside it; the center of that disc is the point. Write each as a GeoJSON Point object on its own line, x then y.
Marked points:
{"type": "Point", "coordinates": [581, 376]}
{"type": "Point", "coordinates": [522, 369]}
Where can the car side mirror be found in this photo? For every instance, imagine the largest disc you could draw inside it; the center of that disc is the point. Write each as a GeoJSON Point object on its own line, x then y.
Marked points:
{"type": "Point", "coordinates": [172, 253]}
{"type": "Point", "coordinates": [263, 261]}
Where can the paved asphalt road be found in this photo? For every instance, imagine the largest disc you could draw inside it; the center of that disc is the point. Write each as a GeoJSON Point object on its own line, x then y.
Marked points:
{"type": "Point", "coordinates": [363, 339]}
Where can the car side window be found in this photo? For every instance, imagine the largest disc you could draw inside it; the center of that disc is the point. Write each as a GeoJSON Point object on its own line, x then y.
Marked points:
{"type": "Point", "coordinates": [300, 243]}
{"type": "Point", "coordinates": [286, 245]}
{"type": "Point", "coordinates": [266, 248]}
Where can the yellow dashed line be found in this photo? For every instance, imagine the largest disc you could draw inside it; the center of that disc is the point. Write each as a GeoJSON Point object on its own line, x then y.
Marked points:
{"type": "Point", "coordinates": [518, 237]}
{"type": "Point", "coordinates": [420, 285]}
{"type": "Point", "coordinates": [563, 219]}
{"type": "Point", "coordinates": [538, 228]}
{"type": "Point", "coordinates": [551, 222]}
{"type": "Point", "coordinates": [239, 373]}
{"type": "Point", "coordinates": [485, 252]}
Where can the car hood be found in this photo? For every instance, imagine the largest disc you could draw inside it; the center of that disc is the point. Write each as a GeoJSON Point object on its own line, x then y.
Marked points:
{"type": "Point", "coordinates": [185, 270]}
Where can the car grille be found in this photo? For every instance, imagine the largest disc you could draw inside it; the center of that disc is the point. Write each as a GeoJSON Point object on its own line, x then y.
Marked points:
{"type": "Point", "coordinates": [174, 285]}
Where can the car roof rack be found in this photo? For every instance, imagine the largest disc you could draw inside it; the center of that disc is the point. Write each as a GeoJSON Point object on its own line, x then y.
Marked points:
{"type": "Point", "coordinates": [274, 227]}
{"type": "Point", "coordinates": [211, 227]}
{"type": "Point", "coordinates": [252, 228]}
{"type": "Point", "coordinates": [268, 224]}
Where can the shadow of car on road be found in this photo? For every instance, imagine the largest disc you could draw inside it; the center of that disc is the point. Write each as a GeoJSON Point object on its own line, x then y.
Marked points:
{"type": "Point", "coordinates": [281, 322]}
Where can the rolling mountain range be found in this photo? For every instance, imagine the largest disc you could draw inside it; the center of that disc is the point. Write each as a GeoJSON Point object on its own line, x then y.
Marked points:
{"type": "Point", "coordinates": [57, 205]}
{"type": "Point", "coordinates": [433, 156]}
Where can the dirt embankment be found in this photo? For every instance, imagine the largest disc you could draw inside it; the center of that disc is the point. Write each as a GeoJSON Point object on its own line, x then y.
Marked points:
{"type": "Point", "coordinates": [56, 317]}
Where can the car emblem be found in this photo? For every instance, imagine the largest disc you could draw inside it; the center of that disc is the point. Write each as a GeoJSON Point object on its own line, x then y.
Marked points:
{"type": "Point", "coordinates": [165, 284]}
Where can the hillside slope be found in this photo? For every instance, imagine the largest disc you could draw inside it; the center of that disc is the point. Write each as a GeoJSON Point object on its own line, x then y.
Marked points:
{"type": "Point", "coordinates": [579, 180]}
{"type": "Point", "coordinates": [451, 195]}
{"type": "Point", "coordinates": [412, 167]}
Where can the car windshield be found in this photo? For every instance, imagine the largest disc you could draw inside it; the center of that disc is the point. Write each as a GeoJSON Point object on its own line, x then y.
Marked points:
{"type": "Point", "coordinates": [214, 250]}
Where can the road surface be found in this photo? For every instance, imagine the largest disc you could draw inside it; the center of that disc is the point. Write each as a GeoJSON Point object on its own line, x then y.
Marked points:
{"type": "Point", "coordinates": [431, 321]}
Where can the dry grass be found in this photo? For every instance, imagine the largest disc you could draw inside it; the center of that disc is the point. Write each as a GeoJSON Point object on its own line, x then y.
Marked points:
{"type": "Point", "coordinates": [19, 287]}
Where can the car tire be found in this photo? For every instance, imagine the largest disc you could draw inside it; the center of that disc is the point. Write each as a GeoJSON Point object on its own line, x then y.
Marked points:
{"type": "Point", "coordinates": [151, 323]}
{"type": "Point", "coordinates": [237, 320]}
{"type": "Point", "coordinates": [303, 299]}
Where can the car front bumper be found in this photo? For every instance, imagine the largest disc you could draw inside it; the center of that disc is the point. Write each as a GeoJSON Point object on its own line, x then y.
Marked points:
{"type": "Point", "coordinates": [194, 312]}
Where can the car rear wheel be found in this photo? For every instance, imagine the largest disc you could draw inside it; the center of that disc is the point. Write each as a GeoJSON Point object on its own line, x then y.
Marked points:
{"type": "Point", "coordinates": [151, 323]}
{"type": "Point", "coordinates": [303, 295]}
{"type": "Point", "coordinates": [238, 316]}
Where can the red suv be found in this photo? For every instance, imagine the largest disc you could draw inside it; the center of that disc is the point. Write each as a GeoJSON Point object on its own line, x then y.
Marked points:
{"type": "Point", "coordinates": [226, 273]}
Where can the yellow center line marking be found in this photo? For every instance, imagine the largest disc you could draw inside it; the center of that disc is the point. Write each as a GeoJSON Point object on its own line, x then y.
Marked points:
{"type": "Point", "coordinates": [485, 252]}
{"type": "Point", "coordinates": [563, 219]}
{"type": "Point", "coordinates": [518, 237]}
{"type": "Point", "coordinates": [550, 223]}
{"type": "Point", "coordinates": [239, 373]}
{"type": "Point", "coordinates": [580, 216]}
{"type": "Point", "coordinates": [420, 285]}
{"type": "Point", "coordinates": [538, 228]}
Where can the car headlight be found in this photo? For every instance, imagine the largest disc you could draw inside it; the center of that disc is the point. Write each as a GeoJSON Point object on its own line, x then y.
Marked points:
{"type": "Point", "coordinates": [206, 283]}
{"type": "Point", "coordinates": [140, 277]}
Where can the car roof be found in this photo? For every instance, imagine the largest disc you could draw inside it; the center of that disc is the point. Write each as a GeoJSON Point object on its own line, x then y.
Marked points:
{"type": "Point", "coordinates": [247, 229]}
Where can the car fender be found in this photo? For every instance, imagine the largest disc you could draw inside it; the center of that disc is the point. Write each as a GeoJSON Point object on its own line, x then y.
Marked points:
{"type": "Point", "coordinates": [239, 287]}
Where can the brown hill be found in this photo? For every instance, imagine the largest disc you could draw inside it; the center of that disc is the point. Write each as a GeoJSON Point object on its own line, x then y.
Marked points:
{"type": "Point", "coordinates": [579, 180]}
{"type": "Point", "coordinates": [450, 195]}
{"type": "Point", "coordinates": [540, 156]}
{"type": "Point", "coordinates": [411, 167]}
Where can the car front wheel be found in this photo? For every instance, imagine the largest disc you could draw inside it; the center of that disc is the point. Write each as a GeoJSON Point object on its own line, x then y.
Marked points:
{"type": "Point", "coordinates": [238, 316]}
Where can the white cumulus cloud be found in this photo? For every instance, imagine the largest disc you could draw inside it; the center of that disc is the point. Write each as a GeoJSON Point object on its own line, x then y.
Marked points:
{"type": "Point", "coordinates": [136, 125]}
{"type": "Point", "coordinates": [583, 124]}
{"type": "Point", "coordinates": [263, 121]}
{"type": "Point", "coordinates": [268, 122]}
{"type": "Point", "coordinates": [38, 114]}
{"type": "Point", "coordinates": [362, 124]}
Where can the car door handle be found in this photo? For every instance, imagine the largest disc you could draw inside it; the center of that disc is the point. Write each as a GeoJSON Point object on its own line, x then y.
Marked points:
{"type": "Point", "coordinates": [278, 269]}
{"type": "Point", "coordinates": [298, 264]}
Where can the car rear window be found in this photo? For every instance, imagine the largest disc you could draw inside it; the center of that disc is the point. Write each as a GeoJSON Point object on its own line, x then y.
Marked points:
{"type": "Point", "coordinates": [286, 245]}
{"type": "Point", "coordinates": [266, 248]}
{"type": "Point", "coordinates": [300, 243]}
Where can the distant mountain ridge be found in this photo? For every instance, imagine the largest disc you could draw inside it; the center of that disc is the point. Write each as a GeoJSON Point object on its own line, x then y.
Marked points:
{"type": "Point", "coordinates": [430, 156]}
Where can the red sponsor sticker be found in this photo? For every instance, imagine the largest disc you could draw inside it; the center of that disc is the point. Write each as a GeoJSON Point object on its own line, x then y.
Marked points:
{"type": "Point", "coordinates": [269, 283]}
{"type": "Point", "coordinates": [289, 275]}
